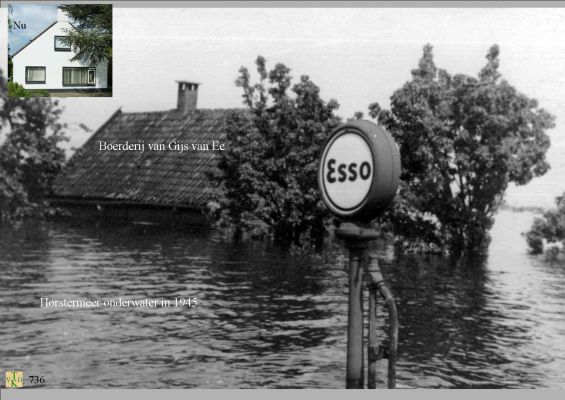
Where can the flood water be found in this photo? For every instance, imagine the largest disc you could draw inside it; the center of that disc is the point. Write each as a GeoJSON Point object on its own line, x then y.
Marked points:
{"type": "Point", "coordinates": [265, 318]}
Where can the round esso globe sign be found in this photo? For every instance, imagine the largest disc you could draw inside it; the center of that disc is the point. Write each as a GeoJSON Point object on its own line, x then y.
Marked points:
{"type": "Point", "coordinates": [359, 170]}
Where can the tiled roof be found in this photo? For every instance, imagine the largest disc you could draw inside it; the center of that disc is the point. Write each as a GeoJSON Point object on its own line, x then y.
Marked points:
{"type": "Point", "coordinates": [153, 177]}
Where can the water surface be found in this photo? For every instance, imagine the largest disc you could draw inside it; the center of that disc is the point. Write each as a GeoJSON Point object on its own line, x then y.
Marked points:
{"type": "Point", "coordinates": [265, 318]}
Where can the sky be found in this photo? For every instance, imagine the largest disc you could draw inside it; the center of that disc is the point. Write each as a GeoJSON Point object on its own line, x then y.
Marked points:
{"type": "Point", "coordinates": [355, 55]}
{"type": "Point", "coordinates": [36, 18]}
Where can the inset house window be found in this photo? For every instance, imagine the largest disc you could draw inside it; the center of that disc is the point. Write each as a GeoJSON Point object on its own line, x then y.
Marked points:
{"type": "Point", "coordinates": [35, 74]}
{"type": "Point", "coordinates": [60, 44]}
{"type": "Point", "coordinates": [79, 76]}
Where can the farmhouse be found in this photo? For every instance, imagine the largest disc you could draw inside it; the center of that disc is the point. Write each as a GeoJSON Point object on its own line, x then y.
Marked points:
{"type": "Point", "coordinates": [45, 62]}
{"type": "Point", "coordinates": [148, 185]}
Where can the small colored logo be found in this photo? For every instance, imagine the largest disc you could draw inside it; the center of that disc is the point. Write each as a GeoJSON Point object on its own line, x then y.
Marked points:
{"type": "Point", "coordinates": [14, 379]}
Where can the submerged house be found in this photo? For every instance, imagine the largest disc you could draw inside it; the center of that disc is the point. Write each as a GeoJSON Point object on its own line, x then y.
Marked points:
{"type": "Point", "coordinates": [45, 62]}
{"type": "Point", "coordinates": [146, 186]}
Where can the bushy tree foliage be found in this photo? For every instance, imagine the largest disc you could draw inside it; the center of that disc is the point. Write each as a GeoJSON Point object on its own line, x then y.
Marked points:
{"type": "Point", "coordinates": [10, 69]}
{"type": "Point", "coordinates": [10, 17]}
{"type": "Point", "coordinates": [30, 157]}
{"type": "Point", "coordinates": [92, 38]}
{"type": "Point", "coordinates": [17, 90]}
{"type": "Point", "coordinates": [268, 174]}
{"type": "Point", "coordinates": [550, 228]}
{"type": "Point", "coordinates": [462, 140]}
{"type": "Point", "coordinates": [10, 25]}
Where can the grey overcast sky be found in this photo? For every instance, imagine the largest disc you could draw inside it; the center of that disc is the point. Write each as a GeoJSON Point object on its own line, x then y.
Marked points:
{"type": "Point", "coordinates": [357, 56]}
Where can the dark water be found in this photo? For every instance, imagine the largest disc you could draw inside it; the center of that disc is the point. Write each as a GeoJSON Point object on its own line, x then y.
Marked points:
{"type": "Point", "coordinates": [267, 319]}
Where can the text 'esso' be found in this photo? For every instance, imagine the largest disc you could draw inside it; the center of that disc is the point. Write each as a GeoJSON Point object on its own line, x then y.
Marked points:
{"type": "Point", "coordinates": [347, 171]}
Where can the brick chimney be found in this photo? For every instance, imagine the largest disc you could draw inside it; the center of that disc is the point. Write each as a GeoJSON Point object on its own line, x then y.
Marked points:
{"type": "Point", "coordinates": [187, 96]}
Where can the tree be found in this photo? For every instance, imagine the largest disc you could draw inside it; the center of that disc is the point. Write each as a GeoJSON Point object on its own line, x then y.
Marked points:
{"type": "Point", "coordinates": [10, 17]}
{"type": "Point", "coordinates": [17, 90]}
{"type": "Point", "coordinates": [30, 156]}
{"type": "Point", "coordinates": [92, 38]}
{"type": "Point", "coordinates": [10, 24]}
{"type": "Point", "coordinates": [10, 69]}
{"type": "Point", "coordinates": [267, 175]}
{"type": "Point", "coordinates": [462, 140]}
{"type": "Point", "coordinates": [551, 227]}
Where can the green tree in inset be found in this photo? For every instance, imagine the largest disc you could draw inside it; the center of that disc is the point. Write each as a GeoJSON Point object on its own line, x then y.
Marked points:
{"type": "Point", "coordinates": [10, 25]}
{"type": "Point", "coordinates": [92, 38]}
{"type": "Point", "coordinates": [462, 141]}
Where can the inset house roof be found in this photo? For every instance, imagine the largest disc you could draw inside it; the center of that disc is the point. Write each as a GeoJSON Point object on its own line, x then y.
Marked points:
{"type": "Point", "coordinates": [32, 40]}
{"type": "Point", "coordinates": [162, 178]}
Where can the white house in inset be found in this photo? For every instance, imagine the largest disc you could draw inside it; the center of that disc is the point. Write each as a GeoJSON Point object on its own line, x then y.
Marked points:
{"type": "Point", "coordinates": [45, 62]}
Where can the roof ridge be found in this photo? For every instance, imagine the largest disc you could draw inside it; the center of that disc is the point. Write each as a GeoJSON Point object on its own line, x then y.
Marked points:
{"type": "Point", "coordinates": [174, 110]}
{"type": "Point", "coordinates": [38, 35]}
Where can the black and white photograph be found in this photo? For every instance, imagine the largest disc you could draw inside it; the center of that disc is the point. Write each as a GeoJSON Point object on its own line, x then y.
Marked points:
{"type": "Point", "coordinates": [276, 196]}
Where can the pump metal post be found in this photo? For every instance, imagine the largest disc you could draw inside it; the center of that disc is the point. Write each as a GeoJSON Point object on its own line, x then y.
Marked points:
{"type": "Point", "coordinates": [358, 178]}
{"type": "Point", "coordinates": [357, 237]}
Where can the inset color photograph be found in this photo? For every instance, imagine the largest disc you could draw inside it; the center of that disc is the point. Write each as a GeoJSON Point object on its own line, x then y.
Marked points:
{"type": "Point", "coordinates": [60, 50]}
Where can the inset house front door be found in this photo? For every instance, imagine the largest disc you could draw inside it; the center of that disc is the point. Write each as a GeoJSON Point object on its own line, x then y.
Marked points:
{"type": "Point", "coordinates": [91, 76]}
